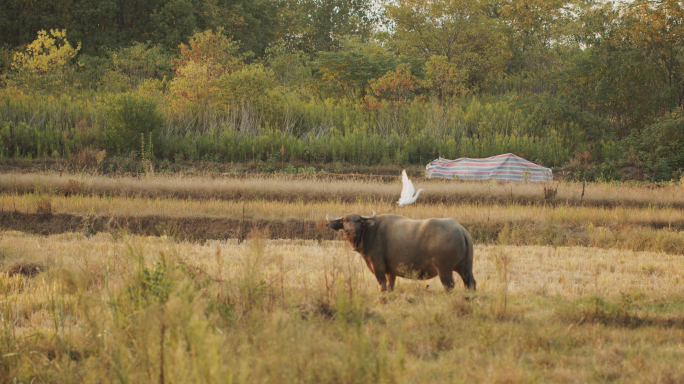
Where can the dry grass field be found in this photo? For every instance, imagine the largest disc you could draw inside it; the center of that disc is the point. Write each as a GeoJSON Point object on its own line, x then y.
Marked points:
{"type": "Point", "coordinates": [140, 309]}
{"type": "Point", "coordinates": [345, 188]}
{"type": "Point", "coordinates": [567, 292]}
{"type": "Point", "coordinates": [631, 228]}
{"type": "Point", "coordinates": [303, 210]}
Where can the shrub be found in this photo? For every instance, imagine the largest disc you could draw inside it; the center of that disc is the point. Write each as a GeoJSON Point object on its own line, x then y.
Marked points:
{"type": "Point", "coordinates": [659, 146]}
{"type": "Point", "coordinates": [443, 78]}
{"type": "Point", "coordinates": [194, 84]}
{"type": "Point", "coordinates": [5, 59]}
{"type": "Point", "coordinates": [141, 61]}
{"type": "Point", "coordinates": [347, 72]}
{"type": "Point", "coordinates": [198, 70]}
{"type": "Point", "coordinates": [128, 116]}
{"type": "Point", "coordinates": [248, 86]}
{"type": "Point", "coordinates": [397, 86]}
{"type": "Point", "coordinates": [217, 51]}
{"type": "Point", "coordinates": [288, 66]}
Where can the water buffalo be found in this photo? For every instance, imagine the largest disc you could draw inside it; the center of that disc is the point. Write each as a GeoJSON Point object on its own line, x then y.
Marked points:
{"type": "Point", "coordinates": [394, 245]}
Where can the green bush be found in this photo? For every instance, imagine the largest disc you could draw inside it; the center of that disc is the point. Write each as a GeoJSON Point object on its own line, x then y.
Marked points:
{"type": "Point", "coordinates": [659, 147]}
{"type": "Point", "coordinates": [5, 59]}
{"type": "Point", "coordinates": [128, 116]}
{"type": "Point", "coordinates": [23, 140]}
{"type": "Point", "coordinates": [248, 86]}
{"type": "Point", "coordinates": [125, 68]}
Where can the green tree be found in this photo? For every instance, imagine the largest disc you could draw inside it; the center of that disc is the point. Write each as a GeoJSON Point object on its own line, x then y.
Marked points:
{"type": "Point", "coordinates": [462, 31]}
{"type": "Point", "coordinates": [348, 72]}
{"type": "Point", "coordinates": [215, 14]}
{"type": "Point", "coordinates": [613, 77]}
{"type": "Point", "coordinates": [124, 68]}
{"type": "Point", "coordinates": [20, 20]}
{"type": "Point", "coordinates": [174, 23]}
{"type": "Point", "coordinates": [534, 22]}
{"type": "Point", "coordinates": [656, 29]}
{"type": "Point", "coordinates": [133, 20]}
{"type": "Point", "coordinates": [291, 68]}
{"type": "Point", "coordinates": [93, 23]}
{"type": "Point", "coordinates": [321, 25]}
{"type": "Point", "coordinates": [246, 94]}
{"type": "Point", "coordinates": [444, 79]}
{"type": "Point", "coordinates": [536, 31]}
{"type": "Point", "coordinates": [6, 57]}
{"type": "Point", "coordinates": [142, 61]}
{"type": "Point", "coordinates": [99, 25]}
{"type": "Point", "coordinates": [254, 23]}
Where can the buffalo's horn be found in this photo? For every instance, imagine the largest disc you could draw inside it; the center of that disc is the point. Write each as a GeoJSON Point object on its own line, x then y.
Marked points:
{"type": "Point", "coordinates": [330, 219]}
{"type": "Point", "coordinates": [369, 217]}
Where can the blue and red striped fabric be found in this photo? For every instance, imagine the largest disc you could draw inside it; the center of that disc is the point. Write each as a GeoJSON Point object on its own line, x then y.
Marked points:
{"type": "Point", "coordinates": [507, 167]}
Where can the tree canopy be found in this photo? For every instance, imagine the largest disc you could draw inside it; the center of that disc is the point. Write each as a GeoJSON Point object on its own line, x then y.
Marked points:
{"type": "Point", "coordinates": [598, 74]}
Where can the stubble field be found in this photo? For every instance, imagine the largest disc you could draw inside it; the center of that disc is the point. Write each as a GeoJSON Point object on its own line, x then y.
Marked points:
{"type": "Point", "coordinates": [567, 292]}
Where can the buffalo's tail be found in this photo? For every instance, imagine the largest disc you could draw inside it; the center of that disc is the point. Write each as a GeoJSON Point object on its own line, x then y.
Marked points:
{"type": "Point", "coordinates": [467, 271]}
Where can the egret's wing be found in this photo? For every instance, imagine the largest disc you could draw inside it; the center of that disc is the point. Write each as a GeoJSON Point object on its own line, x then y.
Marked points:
{"type": "Point", "coordinates": [411, 191]}
{"type": "Point", "coordinates": [405, 181]}
{"type": "Point", "coordinates": [407, 191]}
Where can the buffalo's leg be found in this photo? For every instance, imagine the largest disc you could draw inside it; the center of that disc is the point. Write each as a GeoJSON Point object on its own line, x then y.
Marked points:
{"type": "Point", "coordinates": [467, 276]}
{"type": "Point", "coordinates": [382, 280]}
{"type": "Point", "coordinates": [391, 279]}
{"type": "Point", "coordinates": [447, 279]}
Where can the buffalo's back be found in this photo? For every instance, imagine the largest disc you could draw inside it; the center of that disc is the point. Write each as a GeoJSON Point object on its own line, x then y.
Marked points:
{"type": "Point", "coordinates": [424, 244]}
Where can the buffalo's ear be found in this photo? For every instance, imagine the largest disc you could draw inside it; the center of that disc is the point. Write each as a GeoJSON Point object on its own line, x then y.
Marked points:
{"type": "Point", "coordinates": [335, 224]}
{"type": "Point", "coordinates": [368, 223]}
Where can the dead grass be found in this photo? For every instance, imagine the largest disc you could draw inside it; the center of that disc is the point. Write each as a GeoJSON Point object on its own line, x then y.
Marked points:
{"type": "Point", "coordinates": [88, 305]}
{"type": "Point", "coordinates": [298, 311]}
{"type": "Point", "coordinates": [88, 158]}
{"type": "Point", "coordinates": [23, 267]}
{"type": "Point", "coordinates": [639, 229]}
{"type": "Point", "coordinates": [579, 217]}
{"type": "Point", "coordinates": [287, 188]}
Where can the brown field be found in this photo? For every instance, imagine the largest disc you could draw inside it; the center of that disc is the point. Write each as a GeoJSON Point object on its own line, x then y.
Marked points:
{"type": "Point", "coordinates": [567, 291]}
{"type": "Point", "coordinates": [620, 216]}
{"type": "Point", "coordinates": [76, 309]}
{"type": "Point", "coordinates": [350, 188]}
{"type": "Point", "coordinates": [649, 228]}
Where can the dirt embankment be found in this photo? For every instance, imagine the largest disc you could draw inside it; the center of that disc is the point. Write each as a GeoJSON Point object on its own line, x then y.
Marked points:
{"type": "Point", "coordinates": [653, 236]}
{"type": "Point", "coordinates": [190, 229]}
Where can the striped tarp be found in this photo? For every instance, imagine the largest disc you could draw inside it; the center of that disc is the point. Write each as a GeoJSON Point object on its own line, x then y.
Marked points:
{"type": "Point", "coordinates": [507, 167]}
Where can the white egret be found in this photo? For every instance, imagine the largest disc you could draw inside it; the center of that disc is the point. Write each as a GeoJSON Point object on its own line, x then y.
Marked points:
{"type": "Point", "coordinates": [407, 191]}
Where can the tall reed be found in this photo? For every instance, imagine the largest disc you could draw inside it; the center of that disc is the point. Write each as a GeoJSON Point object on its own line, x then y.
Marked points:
{"type": "Point", "coordinates": [305, 130]}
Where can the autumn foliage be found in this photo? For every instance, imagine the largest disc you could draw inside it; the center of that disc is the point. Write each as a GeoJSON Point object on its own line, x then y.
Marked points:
{"type": "Point", "coordinates": [200, 65]}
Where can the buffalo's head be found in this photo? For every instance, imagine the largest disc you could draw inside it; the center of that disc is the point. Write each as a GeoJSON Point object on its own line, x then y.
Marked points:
{"type": "Point", "coordinates": [353, 226]}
